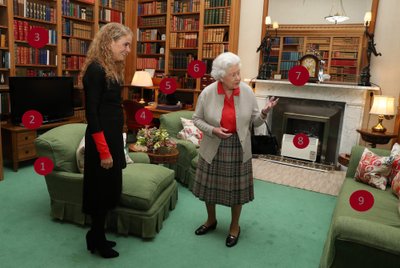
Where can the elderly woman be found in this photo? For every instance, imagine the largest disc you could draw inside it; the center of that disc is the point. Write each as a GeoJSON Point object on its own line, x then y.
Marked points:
{"type": "Point", "coordinates": [225, 112]}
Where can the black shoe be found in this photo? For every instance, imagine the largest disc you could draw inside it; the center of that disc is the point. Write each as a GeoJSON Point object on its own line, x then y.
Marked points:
{"type": "Point", "coordinates": [102, 247]}
{"type": "Point", "coordinates": [202, 230]}
{"type": "Point", "coordinates": [232, 240]}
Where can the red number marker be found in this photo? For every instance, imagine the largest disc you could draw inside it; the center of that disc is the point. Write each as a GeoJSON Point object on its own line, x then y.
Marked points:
{"type": "Point", "coordinates": [32, 119]}
{"type": "Point", "coordinates": [298, 75]}
{"type": "Point", "coordinates": [196, 68]}
{"type": "Point", "coordinates": [144, 116]}
{"type": "Point", "coordinates": [301, 141]}
{"type": "Point", "coordinates": [168, 85]}
{"type": "Point", "coordinates": [38, 37]}
{"type": "Point", "coordinates": [361, 200]}
{"type": "Point", "coordinates": [43, 166]}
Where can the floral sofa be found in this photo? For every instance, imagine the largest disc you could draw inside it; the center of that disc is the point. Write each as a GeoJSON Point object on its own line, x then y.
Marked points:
{"type": "Point", "coordinates": [363, 239]}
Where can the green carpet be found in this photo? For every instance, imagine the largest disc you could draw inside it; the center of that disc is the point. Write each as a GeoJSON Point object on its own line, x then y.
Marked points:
{"type": "Point", "coordinates": [282, 227]}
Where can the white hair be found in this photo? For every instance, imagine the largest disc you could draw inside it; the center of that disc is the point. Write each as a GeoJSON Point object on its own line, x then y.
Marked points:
{"type": "Point", "coordinates": [222, 63]}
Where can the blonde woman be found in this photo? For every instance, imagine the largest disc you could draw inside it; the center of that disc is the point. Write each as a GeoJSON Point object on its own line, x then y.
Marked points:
{"type": "Point", "coordinates": [103, 75]}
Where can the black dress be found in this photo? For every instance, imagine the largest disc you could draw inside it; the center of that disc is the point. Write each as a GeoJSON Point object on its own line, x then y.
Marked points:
{"type": "Point", "coordinates": [102, 187]}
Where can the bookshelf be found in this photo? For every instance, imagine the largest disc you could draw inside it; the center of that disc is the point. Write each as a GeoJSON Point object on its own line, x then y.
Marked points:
{"type": "Point", "coordinates": [340, 46]}
{"type": "Point", "coordinates": [193, 30]}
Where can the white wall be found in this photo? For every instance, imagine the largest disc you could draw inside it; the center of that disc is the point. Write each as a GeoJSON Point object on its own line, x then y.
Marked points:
{"type": "Point", "coordinates": [385, 70]}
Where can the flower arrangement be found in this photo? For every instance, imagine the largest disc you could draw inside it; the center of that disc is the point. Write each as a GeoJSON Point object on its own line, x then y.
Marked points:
{"type": "Point", "coordinates": [153, 140]}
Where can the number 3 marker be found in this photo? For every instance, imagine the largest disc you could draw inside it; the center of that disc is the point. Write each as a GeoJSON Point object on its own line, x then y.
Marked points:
{"type": "Point", "coordinates": [38, 37]}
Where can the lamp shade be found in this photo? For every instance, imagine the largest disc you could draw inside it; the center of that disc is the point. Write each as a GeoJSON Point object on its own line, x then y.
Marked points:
{"type": "Point", "coordinates": [383, 105]}
{"type": "Point", "coordinates": [141, 79]}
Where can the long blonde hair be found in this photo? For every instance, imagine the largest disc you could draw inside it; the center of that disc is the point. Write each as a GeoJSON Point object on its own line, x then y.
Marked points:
{"type": "Point", "coordinates": [100, 51]}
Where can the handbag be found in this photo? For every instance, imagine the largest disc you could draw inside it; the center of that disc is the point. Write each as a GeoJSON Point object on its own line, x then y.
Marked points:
{"type": "Point", "coordinates": [264, 144]}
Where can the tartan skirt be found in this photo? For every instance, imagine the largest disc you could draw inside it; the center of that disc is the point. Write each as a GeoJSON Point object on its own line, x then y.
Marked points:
{"type": "Point", "coordinates": [227, 180]}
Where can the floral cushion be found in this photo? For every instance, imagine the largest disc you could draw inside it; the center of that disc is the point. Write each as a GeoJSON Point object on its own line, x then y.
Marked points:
{"type": "Point", "coordinates": [373, 169]}
{"type": "Point", "coordinates": [190, 132]}
{"type": "Point", "coordinates": [395, 158]}
{"type": "Point", "coordinates": [80, 154]}
{"type": "Point", "coordinates": [396, 185]}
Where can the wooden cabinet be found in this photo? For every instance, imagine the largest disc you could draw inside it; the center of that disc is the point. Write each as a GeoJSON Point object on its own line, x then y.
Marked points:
{"type": "Point", "coordinates": [18, 141]}
{"type": "Point", "coordinates": [339, 46]}
{"type": "Point", "coordinates": [172, 33]}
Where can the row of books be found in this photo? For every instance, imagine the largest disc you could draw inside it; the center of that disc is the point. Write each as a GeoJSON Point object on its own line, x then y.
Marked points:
{"type": "Point", "coordinates": [150, 48]}
{"type": "Point", "coordinates": [115, 4]}
{"type": "Point", "coordinates": [4, 59]}
{"type": "Point", "coordinates": [287, 65]}
{"type": "Point", "coordinates": [343, 77]}
{"type": "Point", "coordinates": [292, 40]}
{"type": "Point", "coordinates": [3, 38]}
{"type": "Point", "coordinates": [344, 55]}
{"type": "Point", "coordinates": [111, 15]}
{"type": "Point", "coordinates": [217, 3]}
{"type": "Point", "coordinates": [151, 21]}
{"type": "Point", "coordinates": [30, 55]}
{"type": "Point", "coordinates": [343, 70]}
{"type": "Point", "coordinates": [76, 29]}
{"type": "Point", "coordinates": [217, 16]}
{"type": "Point", "coordinates": [186, 6]}
{"type": "Point", "coordinates": [184, 24]}
{"type": "Point", "coordinates": [35, 10]}
{"type": "Point", "coordinates": [75, 46]}
{"type": "Point", "coordinates": [353, 48]}
{"type": "Point", "coordinates": [346, 41]}
{"type": "Point", "coordinates": [34, 72]}
{"type": "Point", "coordinates": [213, 50]}
{"type": "Point", "coordinates": [158, 7]}
{"type": "Point", "coordinates": [76, 10]}
{"type": "Point", "coordinates": [183, 40]}
{"type": "Point", "coordinates": [150, 63]}
{"type": "Point", "coordinates": [148, 35]}
{"type": "Point", "coordinates": [216, 35]}
{"type": "Point", "coordinates": [73, 62]}
{"type": "Point", "coordinates": [286, 55]}
{"type": "Point", "coordinates": [352, 63]}
{"type": "Point", "coordinates": [22, 28]}
{"type": "Point", "coordinates": [180, 60]}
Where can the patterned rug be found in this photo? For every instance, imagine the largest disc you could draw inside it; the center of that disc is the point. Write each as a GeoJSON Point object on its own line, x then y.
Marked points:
{"type": "Point", "coordinates": [326, 182]}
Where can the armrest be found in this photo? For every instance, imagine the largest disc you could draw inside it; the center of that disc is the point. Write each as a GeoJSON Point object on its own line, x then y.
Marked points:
{"type": "Point", "coordinates": [186, 149]}
{"type": "Point", "coordinates": [65, 186]}
{"type": "Point", "coordinates": [139, 157]}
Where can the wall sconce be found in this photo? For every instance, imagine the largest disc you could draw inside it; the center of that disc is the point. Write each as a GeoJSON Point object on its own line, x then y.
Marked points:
{"type": "Point", "coordinates": [365, 73]}
{"type": "Point", "coordinates": [265, 69]}
{"type": "Point", "coordinates": [142, 79]}
{"type": "Point", "coordinates": [337, 13]}
{"type": "Point", "coordinates": [383, 106]}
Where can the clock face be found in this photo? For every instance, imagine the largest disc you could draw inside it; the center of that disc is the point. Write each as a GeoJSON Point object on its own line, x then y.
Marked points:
{"type": "Point", "coordinates": [310, 65]}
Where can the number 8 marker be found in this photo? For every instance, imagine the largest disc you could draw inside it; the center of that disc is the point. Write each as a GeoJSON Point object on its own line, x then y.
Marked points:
{"type": "Point", "coordinates": [301, 141]}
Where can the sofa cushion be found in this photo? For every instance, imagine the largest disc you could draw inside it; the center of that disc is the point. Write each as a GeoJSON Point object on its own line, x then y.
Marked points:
{"type": "Point", "coordinates": [396, 185]}
{"type": "Point", "coordinates": [190, 132]}
{"type": "Point", "coordinates": [172, 121]}
{"type": "Point", "coordinates": [373, 169]}
{"type": "Point", "coordinates": [143, 183]}
{"type": "Point", "coordinates": [395, 155]}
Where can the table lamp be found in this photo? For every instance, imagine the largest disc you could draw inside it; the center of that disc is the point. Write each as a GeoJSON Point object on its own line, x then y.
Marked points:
{"type": "Point", "coordinates": [142, 79]}
{"type": "Point", "coordinates": [383, 106]}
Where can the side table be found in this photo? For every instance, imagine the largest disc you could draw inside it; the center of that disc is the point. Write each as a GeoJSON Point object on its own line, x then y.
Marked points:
{"type": "Point", "coordinates": [156, 158]}
{"type": "Point", "coordinates": [375, 138]}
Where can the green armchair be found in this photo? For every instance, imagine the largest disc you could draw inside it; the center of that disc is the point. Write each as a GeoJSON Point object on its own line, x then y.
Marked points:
{"type": "Point", "coordinates": [149, 191]}
{"type": "Point", "coordinates": [185, 167]}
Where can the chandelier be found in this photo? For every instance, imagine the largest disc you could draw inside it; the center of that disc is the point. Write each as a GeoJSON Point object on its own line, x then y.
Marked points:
{"type": "Point", "coordinates": [337, 13]}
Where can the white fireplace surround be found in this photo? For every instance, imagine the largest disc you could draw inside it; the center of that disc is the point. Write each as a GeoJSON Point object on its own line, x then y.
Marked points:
{"type": "Point", "coordinates": [354, 97]}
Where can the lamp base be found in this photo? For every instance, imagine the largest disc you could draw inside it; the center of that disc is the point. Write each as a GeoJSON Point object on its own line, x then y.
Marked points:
{"type": "Point", "coordinates": [142, 101]}
{"type": "Point", "coordinates": [379, 127]}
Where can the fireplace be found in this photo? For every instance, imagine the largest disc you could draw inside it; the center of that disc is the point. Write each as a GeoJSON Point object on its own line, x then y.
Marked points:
{"type": "Point", "coordinates": [335, 110]}
{"type": "Point", "coordinates": [317, 119]}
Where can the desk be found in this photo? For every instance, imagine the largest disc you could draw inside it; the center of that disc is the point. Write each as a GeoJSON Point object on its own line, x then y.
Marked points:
{"type": "Point", "coordinates": [375, 138]}
{"type": "Point", "coordinates": [19, 141]}
{"type": "Point", "coordinates": [158, 112]}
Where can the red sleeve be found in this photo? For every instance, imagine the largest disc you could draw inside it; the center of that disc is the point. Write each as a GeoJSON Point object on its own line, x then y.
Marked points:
{"type": "Point", "coordinates": [101, 145]}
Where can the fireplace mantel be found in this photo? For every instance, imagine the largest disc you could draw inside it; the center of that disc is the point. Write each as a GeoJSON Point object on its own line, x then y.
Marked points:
{"type": "Point", "coordinates": [353, 96]}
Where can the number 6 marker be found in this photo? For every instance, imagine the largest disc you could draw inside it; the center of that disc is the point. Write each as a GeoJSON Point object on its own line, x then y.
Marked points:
{"type": "Point", "coordinates": [196, 68]}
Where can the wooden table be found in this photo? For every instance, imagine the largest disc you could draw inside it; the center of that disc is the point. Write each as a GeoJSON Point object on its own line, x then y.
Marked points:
{"type": "Point", "coordinates": [165, 158]}
{"type": "Point", "coordinates": [375, 138]}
